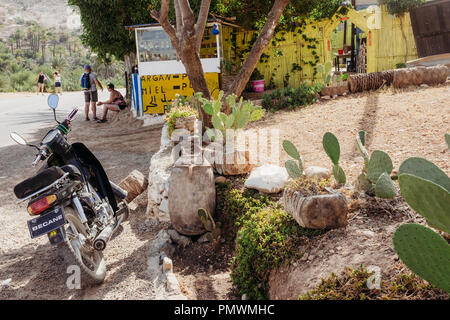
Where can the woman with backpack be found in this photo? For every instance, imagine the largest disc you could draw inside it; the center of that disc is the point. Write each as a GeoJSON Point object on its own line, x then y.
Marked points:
{"type": "Point", "coordinates": [41, 78]}
{"type": "Point", "coordinates": [115, 103]}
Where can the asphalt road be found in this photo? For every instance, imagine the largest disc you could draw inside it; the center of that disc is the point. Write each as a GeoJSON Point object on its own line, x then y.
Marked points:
{"type": "Point", "coordinates": [24, 113]}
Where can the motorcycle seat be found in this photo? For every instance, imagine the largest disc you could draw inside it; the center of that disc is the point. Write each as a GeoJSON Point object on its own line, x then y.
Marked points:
{"type": "Point", "coordinates": [37, 182]}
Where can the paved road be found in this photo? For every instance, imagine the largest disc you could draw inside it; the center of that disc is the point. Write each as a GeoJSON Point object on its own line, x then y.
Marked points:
{"type": "Point", "coordinates": [24, 113]}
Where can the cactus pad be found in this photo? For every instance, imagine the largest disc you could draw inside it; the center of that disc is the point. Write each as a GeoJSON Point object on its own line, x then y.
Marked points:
{"type": "Point", "coordinates": [385, 188]}
{"type": "Point", "coordinates": [447, 139]}
{"type": "Point", "coordinates": [425, 169]}
{"type": "Point", "coordinates": [331, 146]}
{"type": "Point", "coordinates": [425, 253]}
{"type": "Point", "coordinates": [379, 162]}
{"type": "Point", "coordinates": [291, 150]}
{"type": "Point", "coordinates": [427, 198]}
{"type": "Point", "coordinates": [360, 143]}
{"type": "Point", "coordinates": [294, 170]}
{"type": "Point", "coordinates": [339, 174]}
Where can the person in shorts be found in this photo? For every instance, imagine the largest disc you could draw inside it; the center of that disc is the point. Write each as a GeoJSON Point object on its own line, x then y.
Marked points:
{"type": "Point", "coordinates": [58, 84]}
{"type": "Point", "coordinates": [41, 78]}
{"type": "Point", "coordinates": [115, 103]}
{"type": "Point", "coordinates": [90, 91]}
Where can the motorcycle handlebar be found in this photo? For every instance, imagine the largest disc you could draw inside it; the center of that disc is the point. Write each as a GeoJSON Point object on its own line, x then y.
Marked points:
{"type": "Point", "coordinates": [36, 161]}
{"type": "Point", "coordinates": [72, 114]}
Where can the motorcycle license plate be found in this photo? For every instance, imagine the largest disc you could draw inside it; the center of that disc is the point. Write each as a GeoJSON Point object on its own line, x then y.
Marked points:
{"type": "Point", "coordinates": [46, 223]}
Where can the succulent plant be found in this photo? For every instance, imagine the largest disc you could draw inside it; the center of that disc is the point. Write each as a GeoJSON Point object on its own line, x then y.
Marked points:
{"type": "Point", "coordinates": [325, 70]}
{"type": "Point", "coordinates": [242, 113]}
{"type": "Point", "coordinates": [214, 231]}
{"type": "Point", "coordinates": [447, 139]}
{"type": "Point", "coordinates": [294, 169]}
{"type": "Point", "coordinates": [332, 148]}
{"type": "Point", "coordinates": [375, 175]}
{"type": "Point", "coordinates": [426, 189]}
{"type": "Point", "coordinates": [425, 253]}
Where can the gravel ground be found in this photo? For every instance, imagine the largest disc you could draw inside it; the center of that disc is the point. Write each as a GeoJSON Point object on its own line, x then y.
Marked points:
{"type": "Point", "coordinates": [36, 269]}
{"type": "Point", "coordinates": [403, 123]}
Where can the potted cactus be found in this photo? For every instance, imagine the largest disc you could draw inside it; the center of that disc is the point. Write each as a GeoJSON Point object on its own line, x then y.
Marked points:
{"type": "Point", "coordinates": [335, 84]}
{"type": "Point", "coordinates": [426, 189]}
{"type": "Point", "coordinates": [313, 204]}
{"type": "Point", "coordinates": [242, 113]}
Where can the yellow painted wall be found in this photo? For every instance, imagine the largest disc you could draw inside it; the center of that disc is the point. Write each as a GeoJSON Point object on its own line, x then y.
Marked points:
{"type": "Point", "coordinates": [387, 47]}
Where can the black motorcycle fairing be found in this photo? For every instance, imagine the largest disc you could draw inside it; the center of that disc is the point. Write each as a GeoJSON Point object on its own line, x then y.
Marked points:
{"type": "Point", "coordinates": [93, 170]}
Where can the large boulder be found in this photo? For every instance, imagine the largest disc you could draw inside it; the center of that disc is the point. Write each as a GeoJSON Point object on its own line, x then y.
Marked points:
{"type": "Point", "coordinates": [191, 187]}
{"type": "Point", "coordinates": [323, 211]}
{"type": "Point", "coordinates": [268, 179]}
{"type": "Point", "coordinates": [135, 183]}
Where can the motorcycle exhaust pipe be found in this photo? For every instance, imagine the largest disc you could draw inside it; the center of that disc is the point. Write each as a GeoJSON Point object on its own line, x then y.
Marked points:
{"type": "Point", "coordinates": [105, 235]}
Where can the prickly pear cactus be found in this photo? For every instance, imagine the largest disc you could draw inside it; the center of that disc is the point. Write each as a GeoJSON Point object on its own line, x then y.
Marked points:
{"type": "Point", "coordinates": [447, 139]}
{"type": "Point", "coordinates": [294, 169]}
{"type": "Point", "coordinates": [425, 253]}
{"type": "Point", "coordinates": [242, 113]}
{"type": "Point", "coordinates": [331, 145]}
{"type": "Point", "coordinates": [214, 234]}
{"type": "Point", "coordinates": [429, 199]}
{"type": "Point", "coordinates": [379, 162]}
{"type": "Point", "coordinates": [385, 188]}
{"type": "Point", "coordinates": [333, 150]}
{"type": "Point", "coordinates": [425, 169]}
{"type": "Point", "coordinates": [375, 174]}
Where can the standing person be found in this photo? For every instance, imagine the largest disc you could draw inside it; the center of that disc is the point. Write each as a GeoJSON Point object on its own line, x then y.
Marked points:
{"type": "Point", "coordinates": [115, 103]}
{"type": "Point", "coordinates": [41, 82]}
{"type": "Point", "coordinates": [58, 84]}
{"type": "Point", "coordinates": [89, 83]}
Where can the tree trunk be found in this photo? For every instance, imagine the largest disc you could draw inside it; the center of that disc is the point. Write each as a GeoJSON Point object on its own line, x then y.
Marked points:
{"type": "Point", "coordinates": [260, 45]}
{"type": "Point", "coordinates": [130, 62]}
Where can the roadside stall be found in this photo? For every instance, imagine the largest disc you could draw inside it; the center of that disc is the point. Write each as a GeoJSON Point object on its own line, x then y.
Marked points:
{"type": "Point", "coordinates": [160, 76]}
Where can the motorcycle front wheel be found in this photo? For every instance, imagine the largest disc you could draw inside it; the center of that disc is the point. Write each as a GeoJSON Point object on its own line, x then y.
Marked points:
{"type": "Point", "coordinates": [90, 261]}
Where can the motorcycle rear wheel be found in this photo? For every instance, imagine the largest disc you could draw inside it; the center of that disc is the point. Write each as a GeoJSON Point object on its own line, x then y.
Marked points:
{"type": "Point", "coordinates": [91, 262]}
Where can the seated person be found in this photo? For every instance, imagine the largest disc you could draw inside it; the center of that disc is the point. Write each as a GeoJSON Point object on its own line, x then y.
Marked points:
{"type": "Point", "coordinates": [115, 103]}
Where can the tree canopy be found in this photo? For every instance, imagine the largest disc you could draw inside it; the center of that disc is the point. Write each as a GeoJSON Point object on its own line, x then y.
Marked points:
{"type": "Point", "coordinates": [104, 21]}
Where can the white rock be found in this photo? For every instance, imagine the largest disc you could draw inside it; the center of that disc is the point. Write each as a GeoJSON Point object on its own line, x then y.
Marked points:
{"type": "Point", "coordinates": [165, 140]}
{"type": "Point", "coordinates": [172, 283]}
{"type": "Point", "coordinates": [164, 206]}
{"type": "Point", "coordinates": [167, 264]}
{"type": "Point", "coordinates": [6, 282]}
{"type": "Point", "coordinates": [244, 297]}
{"type": "Point", "coordinates": [268, 179]}
{"type": "Point", "coordinates": [368, 233]}
{"type": "Point", "coordinates": [317, 172]}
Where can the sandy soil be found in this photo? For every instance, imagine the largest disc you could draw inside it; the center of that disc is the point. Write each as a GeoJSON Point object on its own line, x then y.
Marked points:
{"type": "Point", "coordinates": [37, 270]}
{"type": "Point", "coordinates": [403, 123]}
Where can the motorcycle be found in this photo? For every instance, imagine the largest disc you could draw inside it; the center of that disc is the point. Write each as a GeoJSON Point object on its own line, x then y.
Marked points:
{"type": "Point", "coordinates": [71, 199]}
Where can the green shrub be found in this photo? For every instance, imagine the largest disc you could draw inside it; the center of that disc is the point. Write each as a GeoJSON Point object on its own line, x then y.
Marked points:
{"type": "Point", "coordinates": [290, 98]}
{"type": "Point", "coordinates": [352, 285]}
{"type": "Point", "coordinates": [266, 237]}
{"type": "Point", "coordinates": [177, 113]}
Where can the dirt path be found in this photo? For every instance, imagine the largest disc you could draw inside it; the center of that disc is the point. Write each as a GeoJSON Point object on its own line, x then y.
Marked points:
{"type": "Point", "coordinates": [37, 270]}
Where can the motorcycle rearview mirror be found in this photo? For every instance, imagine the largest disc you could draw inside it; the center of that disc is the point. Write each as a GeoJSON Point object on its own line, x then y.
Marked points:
{"type": "Point", "coordinates": [52, 102]}
{"type": "Point", "coordinates": [20, 140]}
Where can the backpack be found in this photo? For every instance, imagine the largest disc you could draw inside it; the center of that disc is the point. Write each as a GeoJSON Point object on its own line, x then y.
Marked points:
{"type": "Point", "coordinates": [86, 81]}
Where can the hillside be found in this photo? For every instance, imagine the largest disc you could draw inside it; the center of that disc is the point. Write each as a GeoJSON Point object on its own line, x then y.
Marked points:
{"type": "Point", "coordinates": [57, 13]}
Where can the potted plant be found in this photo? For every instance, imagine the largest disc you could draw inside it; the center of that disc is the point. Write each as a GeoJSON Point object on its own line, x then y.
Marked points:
{"type": "Point", "coordinates": [242, 113]}
{"type": "Point", "coordinates": [257, 81]}
{"type": "Point", "coordinates": [313, 204]}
